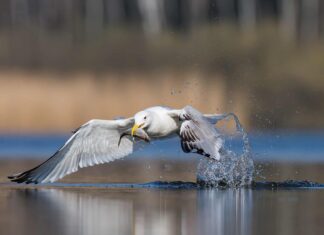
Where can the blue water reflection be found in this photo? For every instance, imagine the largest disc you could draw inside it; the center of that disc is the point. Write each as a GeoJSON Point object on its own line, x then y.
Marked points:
{"type": "Point", "coordinates": [295, 146]}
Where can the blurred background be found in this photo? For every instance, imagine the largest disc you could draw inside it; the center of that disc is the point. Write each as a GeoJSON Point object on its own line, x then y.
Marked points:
{"type": "Point", "coordinates": [65, 62]}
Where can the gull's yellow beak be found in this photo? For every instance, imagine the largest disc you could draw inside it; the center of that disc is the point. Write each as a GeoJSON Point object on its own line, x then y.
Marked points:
{"type": "Point", "coordinates": [135, 127]}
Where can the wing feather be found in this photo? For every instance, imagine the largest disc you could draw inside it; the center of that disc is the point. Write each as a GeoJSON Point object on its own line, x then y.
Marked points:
{"type": "Point", "coordinates": [199, 135]}
{"type": "Point", "coordinates": [95, 142]}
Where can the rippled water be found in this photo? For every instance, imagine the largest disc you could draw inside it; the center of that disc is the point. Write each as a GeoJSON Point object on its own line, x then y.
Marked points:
{"type": "Point", "coordinates": [116, 198]}
{"type": "Point", "coordinates": [97, 210]}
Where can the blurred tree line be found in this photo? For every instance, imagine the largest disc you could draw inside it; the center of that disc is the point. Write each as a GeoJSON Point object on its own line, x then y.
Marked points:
{"type": "Point", "coordinates": [113, 34]}
{"type": "Point", "coordinates": [100, 34]}
{"type": "Point", "coordinates": [302, 18]}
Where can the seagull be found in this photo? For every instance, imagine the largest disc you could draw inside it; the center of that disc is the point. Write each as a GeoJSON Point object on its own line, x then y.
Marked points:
{"type": "Point", "coordinates": [102, 141]}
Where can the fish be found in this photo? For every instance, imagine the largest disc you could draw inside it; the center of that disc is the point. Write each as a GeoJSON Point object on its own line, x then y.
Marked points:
{"type": "Point", "coordinates": [139, 133]}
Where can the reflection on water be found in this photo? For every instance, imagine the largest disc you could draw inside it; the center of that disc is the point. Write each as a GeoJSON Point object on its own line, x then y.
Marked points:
{"type": "Point", "coordinates": [62, 211]}
{"type": "Point", "coordinates": [87, 207]}
{"type": "Point", "coordinates": [153, 211]}
{"type": "Point", "coordinates": [91, 214]}
{"type": "Point", "coordinates": [220, 210]}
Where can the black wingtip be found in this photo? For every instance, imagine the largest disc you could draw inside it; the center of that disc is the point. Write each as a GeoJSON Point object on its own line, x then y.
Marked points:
{"type": "Point", "coordinates": [121, 136]}
{"type": "Point", "coordinates": [24, 177]}
{"type": "Point", "coordinates": [16, 178]}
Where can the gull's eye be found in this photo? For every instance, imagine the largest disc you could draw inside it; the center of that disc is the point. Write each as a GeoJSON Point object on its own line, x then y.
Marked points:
{"type": "Point", "coordinates": [145, 118]}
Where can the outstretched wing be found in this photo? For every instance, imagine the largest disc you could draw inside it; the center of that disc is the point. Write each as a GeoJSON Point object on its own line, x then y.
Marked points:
{"type": "Point", "coordinates": [212, 118]}
{"type": "Point", "coordinates": [95, 142]}
{"type": "Point", "coordinates": [199, 135]}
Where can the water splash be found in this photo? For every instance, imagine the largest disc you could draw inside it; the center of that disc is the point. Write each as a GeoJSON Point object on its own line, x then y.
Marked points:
{"type": "Point", "coordinates": [235, 168]}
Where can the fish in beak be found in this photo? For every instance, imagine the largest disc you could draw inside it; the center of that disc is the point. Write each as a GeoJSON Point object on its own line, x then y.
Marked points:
{"type": "Point", "coordinates": [137, 132]}
{"type": "Point", "coordinates": [135, 128]}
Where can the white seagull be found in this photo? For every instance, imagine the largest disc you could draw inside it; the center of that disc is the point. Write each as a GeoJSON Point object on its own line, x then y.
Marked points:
{"type": "Point", "coordinates": [103, 141]}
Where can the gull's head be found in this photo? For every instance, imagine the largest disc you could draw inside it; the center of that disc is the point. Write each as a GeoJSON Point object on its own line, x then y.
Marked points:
{"type": "Point", "coordinates": [142, 120]}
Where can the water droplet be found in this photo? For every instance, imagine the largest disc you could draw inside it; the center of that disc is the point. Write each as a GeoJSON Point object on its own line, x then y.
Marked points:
{"type": "Point", "coordinates": [233, 169]}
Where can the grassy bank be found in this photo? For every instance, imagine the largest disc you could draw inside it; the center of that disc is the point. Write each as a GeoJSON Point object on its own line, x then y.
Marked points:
{"type": "Point", "coordinates": [57, 81]}
{"type": "Point", "coordinates": [41, 102]}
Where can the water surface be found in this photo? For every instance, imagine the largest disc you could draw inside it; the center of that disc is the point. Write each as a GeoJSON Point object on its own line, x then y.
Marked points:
{"type": "Point", "coordinates": [269, 146]}
{"type": "Point", "coordinates": [116, 199]}
{"type": "Point", "coordinates": [160, 211]}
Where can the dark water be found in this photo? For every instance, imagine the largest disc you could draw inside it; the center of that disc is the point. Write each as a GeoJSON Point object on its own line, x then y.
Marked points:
{"type": "Point", "coordinates": [115, 198]}
{"type": "Point", "coordinates": [92, 210]}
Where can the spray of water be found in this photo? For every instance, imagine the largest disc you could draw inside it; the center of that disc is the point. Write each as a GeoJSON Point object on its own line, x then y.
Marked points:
{"type": "Point", "coordinates": [235, 168]}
